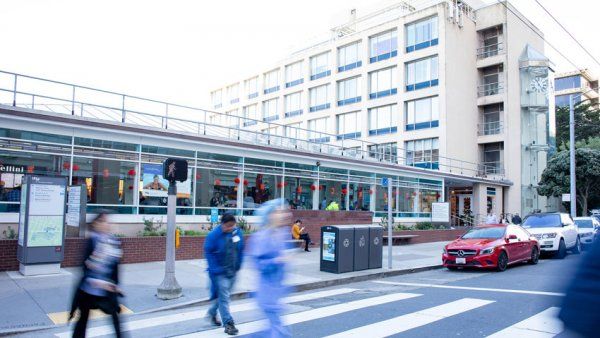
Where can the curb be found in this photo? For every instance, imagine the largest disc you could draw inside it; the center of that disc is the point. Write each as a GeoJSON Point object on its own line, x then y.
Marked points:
{"type": "Point", "coordinates": [246, 294]}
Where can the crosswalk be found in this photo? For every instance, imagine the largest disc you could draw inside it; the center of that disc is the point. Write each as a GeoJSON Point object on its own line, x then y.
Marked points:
{"type": "Point", "coordinates": [426, 310]}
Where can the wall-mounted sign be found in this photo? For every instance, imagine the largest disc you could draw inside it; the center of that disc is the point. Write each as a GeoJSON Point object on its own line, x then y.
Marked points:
{"type": "Point", "coordinates": [440, 212]}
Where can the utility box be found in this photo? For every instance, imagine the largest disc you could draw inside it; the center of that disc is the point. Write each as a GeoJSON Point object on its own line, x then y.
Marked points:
{"type": "Point", "coordinates": [361, 247]}
{"type": "Point", "coordinates": [375, 247]}
{"type": "Point", "coordinates": [337, 248]}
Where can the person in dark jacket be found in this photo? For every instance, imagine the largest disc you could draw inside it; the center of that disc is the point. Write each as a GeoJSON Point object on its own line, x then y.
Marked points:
{"type": "Point", "coordinates": [224, 249]}
{"type": "Point", "coordinates": [99, 286]}
{"type": "Point", "coordinates": [582, 300]}
{"type": "Point", "coordinates": [516, 219]}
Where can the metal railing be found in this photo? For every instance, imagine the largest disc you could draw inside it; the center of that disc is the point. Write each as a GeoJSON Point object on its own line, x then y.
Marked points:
{"type": "Point", "coordinates": [490, 50]}
{"type": "Point", "coordinates": [488, 89]}
{"type": "Point", "coordinates": [64, 98]}
{"type": "Point", "coordinates": [489, 128]}
{"type": "Point", "coordinates": [492, 168]}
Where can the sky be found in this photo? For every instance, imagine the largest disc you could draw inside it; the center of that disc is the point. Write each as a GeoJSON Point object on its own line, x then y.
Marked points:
{"type": "Point", "coordinates": [179, 50]}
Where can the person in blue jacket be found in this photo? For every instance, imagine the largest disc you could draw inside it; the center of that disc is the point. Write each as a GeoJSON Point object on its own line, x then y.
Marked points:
{"type": "Point", "coordinates": [224, 251]}
{"type": "Point", "coordinates": [267, 251]}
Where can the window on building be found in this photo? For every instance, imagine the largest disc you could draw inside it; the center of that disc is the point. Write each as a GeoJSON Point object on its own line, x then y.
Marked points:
{"type": "Point", "coordinates": [317, 130]}
{"type": "Point", "coordinates": [491, 42]}
{"type": "Point", "coordinates": [272, 81]}
{"type": "Point", "coordinates": [383, 120]}
{"type": "Point", "coordinates": [250, 115]}
{"type": "Point", "coordinates": [383, 46]}
{"type": "Point", "coordinates": [349, 91]}
{"type": "Point", "coordinates": [252, 87]}
{"type": "Point", "coordinates": [293, 104]}
{"type": "Point", "coordinates": [568, 82]}
{"type": "Point", "coordinates": [422, 73]}
{"type": "Point", "coordinates": [492, 81]}
{"type": "Point", "coordinates": [383, 83]}
{"type": "Point", "coordinates": [293, 74]}
{"type": "Point", "coordinates": [492, 158]}
{"type": "Point", "coordinates": [319, 66]}
{"type": "Point", "coordinates": [423, 153]}
{"type": "Point", "coordinates": [233, 93]}
{"type": "Point", "coordinates": [563, 100]}
{"type": "Point", "coordinates": [319, 98]}
{"type": "Point", "coordinates": [349, 57]}
{"type": "Point", "coordinates": [348, 125]}
{"type": "Point", "coordinates": [270, 110]}
{"type": "Point", "coordinates": [293, 130]}
{"type": "Point", "coordinates": [491, 124]}
{"type": "Point", "coordinates": [422, 34]}
{"type": "Point", "coordinates": [384, 152]}
{"type": "Point", "coordinates": [217, 98]}
{"type": "Point", "coordinates": [422, 113]}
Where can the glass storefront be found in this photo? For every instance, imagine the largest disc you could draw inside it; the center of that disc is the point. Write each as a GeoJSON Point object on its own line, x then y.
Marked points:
{"type": "Point", "coordinates": [127, 179]}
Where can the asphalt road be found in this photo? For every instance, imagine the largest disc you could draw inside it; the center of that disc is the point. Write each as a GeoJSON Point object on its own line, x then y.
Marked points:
{"type": "Point", "coordinates": [519, 302]}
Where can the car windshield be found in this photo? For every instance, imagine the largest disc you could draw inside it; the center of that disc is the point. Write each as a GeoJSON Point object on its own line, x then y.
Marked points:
{"type": "Point", "coordinates": [485, 233]}
{"type": "Point", "coordinates": [542, 221]}
{"type": "Point", "coordinates": [584, 223]}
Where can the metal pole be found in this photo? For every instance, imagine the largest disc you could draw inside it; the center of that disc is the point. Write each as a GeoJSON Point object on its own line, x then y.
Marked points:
{"type": "Point", "coordinates": [169, 288]}
{"type": "Point", "coordinates": [389, 223]}
{"type": "Point", "coordinates": [572, 157]}
{"type": "Point", "coordinates": [15, 92]}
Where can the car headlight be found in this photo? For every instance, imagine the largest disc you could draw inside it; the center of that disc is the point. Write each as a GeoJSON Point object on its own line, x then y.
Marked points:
{"type": "Point", "coordinates": [487, 251]}
{"type": "Point", "coordinates": [587, 234]}
{"type": "Point", "coordinates": [549, 235]}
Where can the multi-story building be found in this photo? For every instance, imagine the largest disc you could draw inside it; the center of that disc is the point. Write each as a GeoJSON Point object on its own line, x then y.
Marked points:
{"type": "Point", "coordinates": [582, 85]}
{"type": "Point", "coordinates": [421, 83]}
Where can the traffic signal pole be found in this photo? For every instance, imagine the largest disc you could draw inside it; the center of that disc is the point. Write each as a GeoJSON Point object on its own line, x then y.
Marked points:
{"type": "Point", "coordinates": [169, 288]}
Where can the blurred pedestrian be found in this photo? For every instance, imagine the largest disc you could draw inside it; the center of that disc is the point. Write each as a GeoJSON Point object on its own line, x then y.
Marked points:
{"type": "Point", "coordinates": [579, 312]}
{"type": "Point", "coordinates": [99, 286]}
{"type": "Point", "coordinates": [491, 218]}
{"type": "Point", "coordinates": [224, 249]}
{"type": "Point", "coordinates": [333, 206]}
{"type": "Point", "coordinates": [267, 250]}
{"type": "Point", "coordinates": [516, 219]}
{"type": "Point", "coordinates": [299, 233]}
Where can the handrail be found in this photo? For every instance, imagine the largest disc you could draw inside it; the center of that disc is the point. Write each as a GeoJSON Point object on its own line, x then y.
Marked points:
{"type": "Point", "coordinates": [163, 118]}
{"type": "Point", "coordinates": [490, 50]}
{"type": "Point", "coordinates": [493, 88]}
{"type": "Point", "coordinates": [490, 128]}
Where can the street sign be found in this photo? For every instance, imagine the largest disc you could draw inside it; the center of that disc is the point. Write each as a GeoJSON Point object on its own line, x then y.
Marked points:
{"type": "Point", "coordinates": [384, 181]}
{"type": "Point", "coordinates": [566, 197]}
{"type": "Point", "coordinates": [175, 169]}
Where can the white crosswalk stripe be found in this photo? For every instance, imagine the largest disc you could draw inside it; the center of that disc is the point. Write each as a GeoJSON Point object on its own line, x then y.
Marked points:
{"type": "Point", "coordinates": [413, 320]}
{"type": "Point", "coordinates": [196, 314]}
{"type": "Point", "coordinates": [305, 316]}
{"type": "Point", "coordinates": [542, 325]}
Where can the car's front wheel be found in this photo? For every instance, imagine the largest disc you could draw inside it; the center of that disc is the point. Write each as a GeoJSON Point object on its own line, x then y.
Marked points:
{"type": "Point", "coordinates": [535, 256]}
{"type": "Point", "coordinates": [502, 261]}
{"type": "Point", "coordinates": [577, 248]}
{"type": "Point", "coordinates": [562, 250]}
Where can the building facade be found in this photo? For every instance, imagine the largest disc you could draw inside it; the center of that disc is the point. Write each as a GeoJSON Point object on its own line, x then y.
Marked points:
{"type": "Point", "coordinates": [582, 85]}
{"type": "Point", "coordinates": [440, 86]}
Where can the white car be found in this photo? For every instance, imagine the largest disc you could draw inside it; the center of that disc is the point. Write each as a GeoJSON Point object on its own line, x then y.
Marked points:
{"type": "Point", "coordinates": [556, 232]}
{"type": "Point", "coordinates": [587, 227]}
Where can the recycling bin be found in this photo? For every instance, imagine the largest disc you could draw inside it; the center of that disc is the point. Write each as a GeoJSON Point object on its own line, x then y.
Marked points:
{"type": "Point", "coordinates": [361, 247]}
{"type": "Point", "coordinates": [375, 247]}
{"type": "Point", "coordinates": [337, 248]}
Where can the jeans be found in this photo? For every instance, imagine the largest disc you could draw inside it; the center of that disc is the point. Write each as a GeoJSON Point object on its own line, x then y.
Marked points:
{"type": "Point", "coordinates": [306, 239]}
{"type": "Point", "coordinates": [223, 287]}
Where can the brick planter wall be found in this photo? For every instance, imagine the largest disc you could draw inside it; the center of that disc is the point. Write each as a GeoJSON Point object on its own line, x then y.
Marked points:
{"type": "Point", "coordinates": [8, 255]}
{"type": "Point", "coordinates": [428, 236]}
{"type": "Point", "coordinates": [313, 220]}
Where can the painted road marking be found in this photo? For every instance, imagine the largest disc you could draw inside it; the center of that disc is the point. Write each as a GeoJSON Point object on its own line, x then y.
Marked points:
{"type": "Point", "coordinates": [413, 320]}
{"type": "Point", "coordinates": [62, 317]}
{"type": "Point", "coordinates": [196, 314]}
{"type": "Point", "coordinates": [542, 325]}
{"type": "Point", "coordinates": [305, 316]}
{"type": "Point", "coordinates": [528, 292]}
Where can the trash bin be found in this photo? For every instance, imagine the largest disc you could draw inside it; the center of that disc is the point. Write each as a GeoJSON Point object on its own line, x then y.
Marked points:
{"type": "Point", "coordinates": [337, 248]}
{"type": "Point", "coordinates": [361, 247]}
{"type": "Point", "coordinates": [375, 247]}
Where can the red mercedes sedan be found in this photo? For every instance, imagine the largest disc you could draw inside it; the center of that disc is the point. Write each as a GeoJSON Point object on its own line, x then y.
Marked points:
{"type": "Point", "coordinates": [492, 246]}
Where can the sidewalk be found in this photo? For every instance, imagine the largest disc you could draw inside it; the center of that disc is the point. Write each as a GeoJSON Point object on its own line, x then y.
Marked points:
{"type": "Point", "coordinates": [39, 301]}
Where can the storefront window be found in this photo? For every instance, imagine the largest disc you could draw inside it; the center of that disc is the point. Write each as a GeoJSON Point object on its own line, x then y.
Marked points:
{"type": "Point", "coordinates": [258, 189]}
{"type": "Point", "coordinates": [216, 188]}
{"type": "Point", "coordinates": [298, 192]}
{"type": "Point", "coordinates": [107, 182]}
{"type": "Point", "coordinates": [153, 190]}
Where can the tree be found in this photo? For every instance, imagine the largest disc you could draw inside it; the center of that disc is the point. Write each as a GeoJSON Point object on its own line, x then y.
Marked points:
{"type": "Point", "coordinates": [555, 178]}
{"type": "Point", "coordinates": [587, 119]}
{"type": "Point", "coordinates": [590, 143]}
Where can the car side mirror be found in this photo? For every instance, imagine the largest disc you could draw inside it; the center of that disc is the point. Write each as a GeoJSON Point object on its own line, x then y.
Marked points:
{"type": "Point", "coordinates": [511, 237]}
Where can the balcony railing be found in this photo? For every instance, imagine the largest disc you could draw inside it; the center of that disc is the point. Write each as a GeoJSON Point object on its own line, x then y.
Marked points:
{"type": "Point", "coordinates": [63, 98]}
{"type": "Point", "coordinates": [489, 128]}
{"type": "Point", "coordinates": [492, 168]}
{"type": "Point", "coordinates": [490, 50]}
{"type": "Point", "coordinates": [490, 89]}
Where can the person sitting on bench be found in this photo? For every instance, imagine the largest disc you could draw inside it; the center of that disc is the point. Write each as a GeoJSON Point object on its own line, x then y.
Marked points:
{"type": "Point", "coordinates": [298, 233]}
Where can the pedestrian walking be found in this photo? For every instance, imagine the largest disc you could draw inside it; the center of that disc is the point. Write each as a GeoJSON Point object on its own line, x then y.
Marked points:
{"type": "Point", "coordinates": [99, 286]}
{"type": "Point", "coordinates": [298, 233]}
{"type": "Point", "coordinates": [224, 249]}
{"type": "Point", "coordinates": [333, 206]}
{"type": "Point", "coordinates": [516, 219]}
{"type": "Point", "coordinates": [267, 248]}
{"type": "Point", "coordinates": [579, 312]}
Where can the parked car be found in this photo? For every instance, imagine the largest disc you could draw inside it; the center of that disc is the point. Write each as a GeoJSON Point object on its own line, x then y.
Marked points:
{"type": "Point", "coordinates": [555, 231]}
{"type": "Point", "coordinates": [587, 227]}
{"type": "Point", "coordinates": [492, 246]}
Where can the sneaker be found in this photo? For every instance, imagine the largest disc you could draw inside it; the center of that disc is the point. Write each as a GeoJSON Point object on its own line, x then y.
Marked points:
{"type": "Point", "coordinates": [213, 320]}
{"type": "Point", "coordinates": [306, 250]}
{"type": "Point", "coordinates": [230, 329]}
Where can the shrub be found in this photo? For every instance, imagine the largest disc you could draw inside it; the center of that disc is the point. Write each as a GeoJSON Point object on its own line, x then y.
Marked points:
{"type": "Point", "coordinates": [194, 233]}
{"type": "Point", "coordinates": [424, 226]}
{"type": "Point", "coordinates": [9, 233]}
{"type": "Point", "coordinates": [244, 225]}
